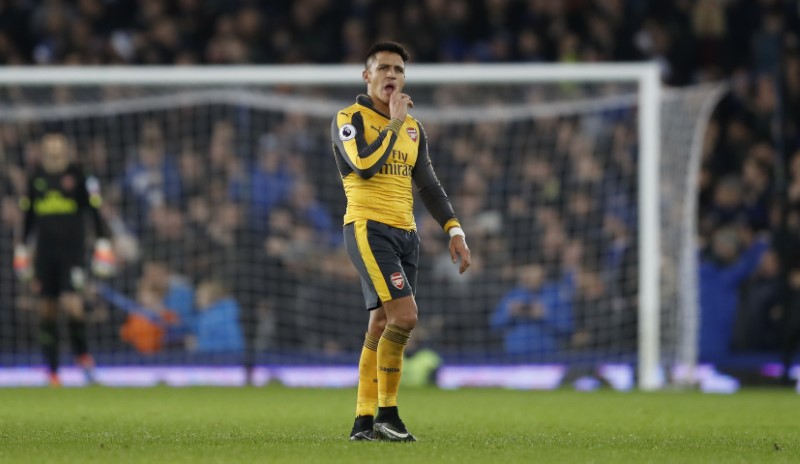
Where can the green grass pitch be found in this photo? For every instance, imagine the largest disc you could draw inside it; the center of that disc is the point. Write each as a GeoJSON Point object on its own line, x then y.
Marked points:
{"type": "Point", "coordinates": [274, 424]}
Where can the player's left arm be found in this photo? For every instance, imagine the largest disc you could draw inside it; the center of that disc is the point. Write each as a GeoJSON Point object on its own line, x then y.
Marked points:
{"type": "Point", "coordinates": [103, 260]}
{"type": "Point", "coordinates": [90, 200]}
{"type": "Point", "coordinates": [438, 204]}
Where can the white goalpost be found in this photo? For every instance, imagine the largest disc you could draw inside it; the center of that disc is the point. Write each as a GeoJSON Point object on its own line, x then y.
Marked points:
{"type": "Point", "coordinates": [622, 154]}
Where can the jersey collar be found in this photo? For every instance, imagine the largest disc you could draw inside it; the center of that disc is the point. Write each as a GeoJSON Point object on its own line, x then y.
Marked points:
{"type": "Point", "coordinates": [365, 100]}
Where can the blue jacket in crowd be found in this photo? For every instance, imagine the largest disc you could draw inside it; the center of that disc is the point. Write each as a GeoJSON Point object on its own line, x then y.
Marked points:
{"type": "Point", "coordinates": [218, 328]}
{"type": "Point", "coordinates": [524, 335]}
{"type": "Point", "coordinates": [719, 298]}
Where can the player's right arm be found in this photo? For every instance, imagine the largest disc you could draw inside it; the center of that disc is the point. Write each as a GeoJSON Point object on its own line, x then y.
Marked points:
{"type": "Point", "coordinates": [347, 133]}
{"type": "Point", "coordinates": [103, 260]}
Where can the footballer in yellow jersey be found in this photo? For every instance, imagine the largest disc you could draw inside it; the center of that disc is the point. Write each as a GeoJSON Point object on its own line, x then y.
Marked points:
{"type": "Point", "coordinates": [379, 150]}
{"type": "Point", "coordinates": [378, 159]}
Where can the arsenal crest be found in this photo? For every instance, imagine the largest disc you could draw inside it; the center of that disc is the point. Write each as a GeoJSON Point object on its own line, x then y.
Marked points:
{"type": "Point", "coordinates": [412, 132]}
{"type": "Point", "coordinates": [398, 281]}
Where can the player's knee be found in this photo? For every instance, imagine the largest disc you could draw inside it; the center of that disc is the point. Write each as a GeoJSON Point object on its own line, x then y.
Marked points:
{"type": "Point", "coordinates": [402, 313]}
{"type": "Point", "coordinates": [406, 320]}
{"type": "Point", "coordinates": [376, 327]}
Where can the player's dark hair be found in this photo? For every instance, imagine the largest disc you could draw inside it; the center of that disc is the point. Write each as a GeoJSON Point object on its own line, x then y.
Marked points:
{"type": "Point", "coordinates": [392, 47]}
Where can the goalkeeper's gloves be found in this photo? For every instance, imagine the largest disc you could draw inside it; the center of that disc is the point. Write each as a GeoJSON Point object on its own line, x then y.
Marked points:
{"type": "Point", "coordinates": [103, 260]}
{"type": "Point", "coordinates": [22, 263]}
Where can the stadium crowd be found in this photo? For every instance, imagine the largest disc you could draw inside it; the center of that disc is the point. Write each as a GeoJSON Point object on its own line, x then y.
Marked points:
{"type": "Point", "coordinates": [258, 220]}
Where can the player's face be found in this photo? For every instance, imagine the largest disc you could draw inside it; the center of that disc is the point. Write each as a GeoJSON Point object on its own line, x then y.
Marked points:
{"type": "Point", "coordinates": [54, 154]}
{"type": "Point", "coordinates": [384, 76]}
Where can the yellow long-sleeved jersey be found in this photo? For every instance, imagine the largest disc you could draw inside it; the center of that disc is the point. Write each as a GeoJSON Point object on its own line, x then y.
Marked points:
{"type": "Point", "coordinates": [377, 159]}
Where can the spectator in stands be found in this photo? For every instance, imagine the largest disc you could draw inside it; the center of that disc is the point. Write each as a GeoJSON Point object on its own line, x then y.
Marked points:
{"type": "Point", "coordinates": [330, 275]}
{"type": "Point", "coordinates": [224, 162]}
{"type": "Point", "coordinates": [152, 179]}
{"type": "Point", "coordinates": [790, 339]}
{"type": "Point", "coordinates": [98, 161]}
{"type": "Point", "coordinates": [167, 239]}
{"type": "Point", "coordinates": [618, 260]}
{"type": "Point", "coordinates": [594, 316]}
{"type": "Point", "coordinates": [271, 285]}
{"type": "Point", "coordinates": [192, 172]}
{"type": "Point", "coordinates": [305, 207]}
{"type": "Point", "coordinates": [756, 193]}
{"type": "Point", "coordinates": [722, 270]}
{"type": "Point", "coordinates": [216, 326]}
{"type": "Point", "coordinates": [536, 316]}
{"type": "Point", "coordinates": [761, 306]}
{"type": "Point", "coordinates": [266, 185]}
{"type": "Point", "coordinates": [549, 248]}
{"type": "Point", "coordinates": [787, 246]}
{"type": "Point", "coordinates": [147, 330]}
{"type": "Point", "coordinates": [160, 289]}
{"type": "Point", "coordinates": [726, 207]}
{"type": "Point", "coordinates": [223, 236]}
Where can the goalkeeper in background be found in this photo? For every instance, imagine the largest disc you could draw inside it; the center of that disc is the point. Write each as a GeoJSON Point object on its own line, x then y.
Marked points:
{"type": "Point", "coordinates": [58, 197]}
{"type": "Point", "coordinates": [379, 149]}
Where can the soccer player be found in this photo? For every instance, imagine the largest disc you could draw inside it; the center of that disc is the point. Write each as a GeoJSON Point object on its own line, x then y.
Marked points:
{"type": "Point", "coordinates": [379, 149]}
{"type": "Point", "coordinates": [58, 197]}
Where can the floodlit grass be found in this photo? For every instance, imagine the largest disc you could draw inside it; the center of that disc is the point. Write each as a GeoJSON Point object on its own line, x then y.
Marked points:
{"type": "Point", "coordinates": [275, 424]}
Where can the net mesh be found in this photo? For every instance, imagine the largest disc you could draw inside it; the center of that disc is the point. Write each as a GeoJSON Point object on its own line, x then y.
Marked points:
{"type": "Point", "coordinates": [230, 196]}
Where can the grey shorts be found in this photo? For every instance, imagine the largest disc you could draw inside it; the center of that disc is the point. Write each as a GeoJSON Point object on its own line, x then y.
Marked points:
{"type": "Point", "coordinates": [386, 258]}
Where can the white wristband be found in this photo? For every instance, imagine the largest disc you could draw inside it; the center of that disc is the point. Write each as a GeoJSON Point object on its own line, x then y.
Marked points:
{"type": "Point", "coordinates": [456, 231]}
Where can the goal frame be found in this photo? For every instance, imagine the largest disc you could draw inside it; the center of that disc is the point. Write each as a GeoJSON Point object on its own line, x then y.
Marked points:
{"type": "Point", "coordinates": [645, 75]}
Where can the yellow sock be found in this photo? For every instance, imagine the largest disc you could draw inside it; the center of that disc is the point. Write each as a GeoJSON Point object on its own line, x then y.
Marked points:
{"type": "Point", "coordinates": [367, 399]}
{"type": "Point", "coordinates": [390, 363]}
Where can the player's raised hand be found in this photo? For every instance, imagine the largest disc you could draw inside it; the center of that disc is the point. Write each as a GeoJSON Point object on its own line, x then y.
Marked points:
{"type": "Point", "coordinates": [399, 103]}
{"type": "Point", "coordinates": [459, 249]}
{"type": "Point", "coordinates": [22, 263]}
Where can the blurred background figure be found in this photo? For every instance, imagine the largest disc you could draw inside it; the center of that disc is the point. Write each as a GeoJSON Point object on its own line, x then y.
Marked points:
{"type": "Point", "coordinates": [59, 196]}
{"type": "Point", "coordinates": [152, 179]}
{"type": "Point", "coordinates": [536, 316]}
{"type": "Point", "coordinates": [216, 327]}
{"type": "Point", "coordinates": [726, 265]}
{"type": "Point", "coordinates": [147, 329]}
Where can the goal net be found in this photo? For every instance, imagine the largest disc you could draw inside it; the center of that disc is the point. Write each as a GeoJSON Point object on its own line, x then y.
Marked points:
{"type": "Point", "coordinates": [575, 186]}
